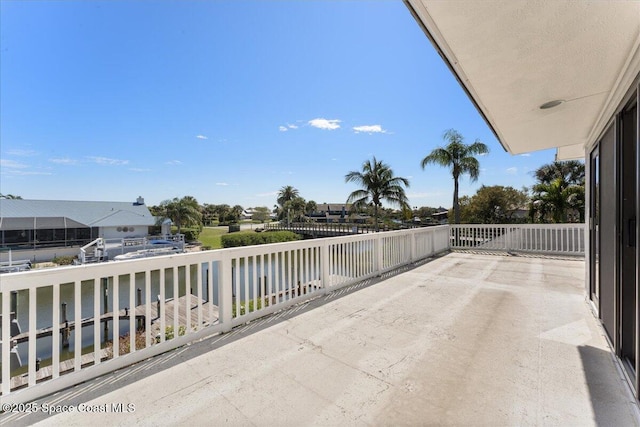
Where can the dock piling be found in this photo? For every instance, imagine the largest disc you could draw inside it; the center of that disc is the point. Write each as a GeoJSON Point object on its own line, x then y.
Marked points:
{"type": "Point", "coordinates": [105, 296]}
{"type": "Point", "coordinates": [65, 331]}
{"type": "Point", "coordinates": [14, 305]}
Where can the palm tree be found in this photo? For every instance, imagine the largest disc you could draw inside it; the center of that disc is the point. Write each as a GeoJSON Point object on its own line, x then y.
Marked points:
{"type": "Point", "coordinates": [560, 188]}
{"type": "Point", "coordinates": [460, 158]}
{"type": "Point", "coordinates": [378, 184]}
{"type": "Point", "coordinates": [570, 172]}
{"type": "Point", "coordinates": [184, 211]}
{"type": "Point", "coordinates": [555, 199]}
{"type": "Point", "coordinates": [287, 193]}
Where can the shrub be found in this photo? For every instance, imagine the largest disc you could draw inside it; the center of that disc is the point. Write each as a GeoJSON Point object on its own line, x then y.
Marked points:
{"type": "Point", "coordinates": [63, 260]}
{"type": "Point", "coordinates": [190, 234]}
{"type": "Point", "coordinates": [253, 238]}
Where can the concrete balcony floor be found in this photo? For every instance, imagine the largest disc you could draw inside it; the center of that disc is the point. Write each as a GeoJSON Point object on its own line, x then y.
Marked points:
{"type": "Point", "coordinates": [464, 339]}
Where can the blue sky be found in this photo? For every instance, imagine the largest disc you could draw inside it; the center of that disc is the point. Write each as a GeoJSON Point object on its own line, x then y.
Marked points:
{"type": "Point", "coordinates": [228, 102]}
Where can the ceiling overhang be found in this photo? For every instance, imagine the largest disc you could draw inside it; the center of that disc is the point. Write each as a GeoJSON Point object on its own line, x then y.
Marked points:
{"type": "Point", "coordinates": [512, 56]}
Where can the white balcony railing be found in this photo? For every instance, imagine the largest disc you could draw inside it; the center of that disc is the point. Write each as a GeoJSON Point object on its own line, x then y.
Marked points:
{"type": "Point", "coordinates": [62, 326]}
{"type": "Point", "coordinates": [58, 326]}
{"type": "Point", "coordinates": [557, 239]}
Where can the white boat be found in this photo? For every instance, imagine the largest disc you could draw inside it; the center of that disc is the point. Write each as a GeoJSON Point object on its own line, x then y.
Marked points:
{"type": "Point", "coordinates": [145, 253]}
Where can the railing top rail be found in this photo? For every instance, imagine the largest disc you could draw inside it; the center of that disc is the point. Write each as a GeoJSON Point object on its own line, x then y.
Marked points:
{"type": "Point", "coordinates": [67, 274]}
{"type": "Point", "coordinates": [539, 226]}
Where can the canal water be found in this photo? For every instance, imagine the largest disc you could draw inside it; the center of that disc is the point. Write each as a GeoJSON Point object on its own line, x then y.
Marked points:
{"type": "Point", "coordinates": [243, 287]}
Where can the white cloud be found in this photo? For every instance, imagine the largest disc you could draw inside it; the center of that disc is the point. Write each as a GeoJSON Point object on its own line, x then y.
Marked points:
{"type": "Point", "coordinates": [63, 161]}
{"type": "Point", "coordinates": [287, 127]}
{"type": "Point", "coordinates": [325, 124]}
{"type": "Point", "coordinates": [269, 194]}
{"type": "Point", "coordinates": [11, 167]}
{"type": "Point", "coordinates": [224, 184]}
{"type": "Point", "coordinates": [173, 162]}
{"type": "Point", "coordinates": [370, 129]}
{"type": "Point", "coordinates": [334, 159]}
{"type": "Point", "coordinates": [23, 153]}
{"type": "Point", "coordinates": [201, 137]}
{"type": "Point", "coordinates": [139, 170]}
{"type": "Point", "coordinates": [24, 173]}
{"type": "Point", "coordinates": [107, 161]}
{"type": "Point", "coordinates": [12, 164]}
{"type": "Point", "coordinates": [525, 155]}
{"type": "Point", "coordinates": [512, 171]}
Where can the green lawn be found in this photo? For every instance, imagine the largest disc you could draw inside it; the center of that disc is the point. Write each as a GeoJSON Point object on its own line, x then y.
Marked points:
{"type": "Point", "coordinates": [210, 236]}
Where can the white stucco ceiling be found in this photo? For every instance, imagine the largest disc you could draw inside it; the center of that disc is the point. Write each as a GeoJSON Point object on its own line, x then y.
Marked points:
{"type": "Point", "coordinates": [512, 56]}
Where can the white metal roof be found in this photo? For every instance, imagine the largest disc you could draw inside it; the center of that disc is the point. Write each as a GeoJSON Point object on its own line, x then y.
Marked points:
{"type": "Point", "coordinates": [512, 56]}
{"type": "Point", "coordinates": [14, 212]}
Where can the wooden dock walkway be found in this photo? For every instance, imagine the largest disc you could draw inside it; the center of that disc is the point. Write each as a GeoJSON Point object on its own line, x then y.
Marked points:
{"type": "Point", "coordinates": [209, 316]}
{"type": "Point", "coordinates": [140, 314]}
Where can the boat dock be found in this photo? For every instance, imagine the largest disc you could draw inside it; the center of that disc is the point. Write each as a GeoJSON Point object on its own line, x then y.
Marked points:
{"type": "Point", "coordinates": [209, 313]}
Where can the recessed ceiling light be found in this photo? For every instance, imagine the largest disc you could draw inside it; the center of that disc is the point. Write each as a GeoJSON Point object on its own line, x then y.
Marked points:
{"type": "Point", "coordinates": [551, 104]}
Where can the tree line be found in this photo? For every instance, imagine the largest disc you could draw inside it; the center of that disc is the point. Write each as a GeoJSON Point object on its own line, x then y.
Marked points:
{"type": "Point", "coordinates": [557, 196]}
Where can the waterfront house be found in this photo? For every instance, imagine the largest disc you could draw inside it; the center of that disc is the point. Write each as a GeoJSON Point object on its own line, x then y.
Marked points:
{"type": "Point", "coordinates": [41, 229]}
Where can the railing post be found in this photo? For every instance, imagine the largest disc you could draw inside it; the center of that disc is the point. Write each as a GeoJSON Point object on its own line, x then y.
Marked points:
{"type": "Point", "coordinates": [378, 253]}
{"type": "Point", "coordinates": [6, 353]}
{"type": "Point", "coordinates": [413, 254]}
{"type": "Point", "coordinates": [225, 293]}
{"type": "Point", "coordinates": [325, 278]}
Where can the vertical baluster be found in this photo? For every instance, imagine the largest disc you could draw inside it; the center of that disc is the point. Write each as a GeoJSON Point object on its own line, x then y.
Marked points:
{"type": "Point", "coordinates": [32, 336]}
{"type": "Point", "coordinates": [347, 257]}
{"type": "Point", "coordinates": [337, 263]}
{"type": "Point", "coordinates": [77, 319]}
{"type": "Point", "coordinates": [277, 265]}
{"type": "Point", "coordinates": [162, 312]}
{"type": "Point", "coordinates": [268, 267]}
{"type": "Point", "coordinates": [132, 312]}
{"type": "Point", "coordinates": [176, 298]}
{"type": "Point", "coordinates": [254, 267]}
{"type": "Point", "coordinates": [245, 282]}
{"type": "Point", "coordinates": [6, 342]}
{"type": "Point", "coordinates": [97, 285]}
{"type": "Point", "coordinates": [55, 332]}
{"type": "Point", "coordinates": [304, 267]}
{"type": "Point", "coordinates": [210, 289]}
{"type": "Point", "coordinates": [116, 317]}
{"type": "Point", "coordinates": [287, 281]}
{"type": "Point", "coordinates": [360, 258]}
{"type": "Point", "coordinates": [147, 307]}
{"type": "Point", "coordinates": [274, 261]}
{"type": "Point", "coordinates": [199, 294]}
{"type": "Point", "coordinates": [235, 285]}
{"type": "Point", "coordinates": [187, 291]}
{"type": "Point", "coordinates": [296, 272]}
